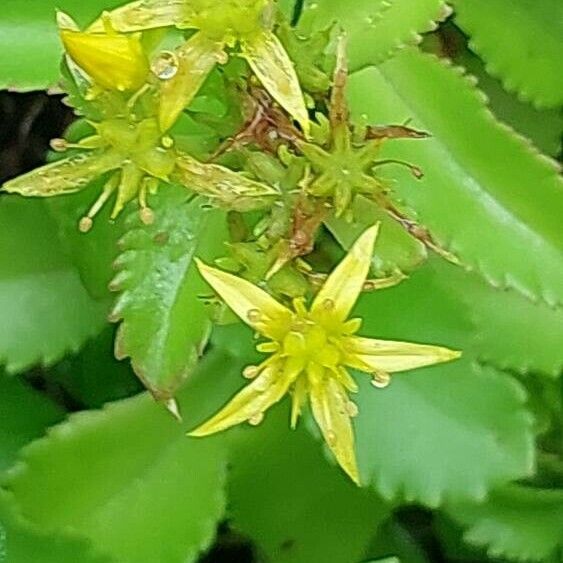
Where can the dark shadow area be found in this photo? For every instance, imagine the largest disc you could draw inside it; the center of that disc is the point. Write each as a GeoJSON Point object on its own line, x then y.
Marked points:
{"type": "Point", "coordinates": [27, 123]}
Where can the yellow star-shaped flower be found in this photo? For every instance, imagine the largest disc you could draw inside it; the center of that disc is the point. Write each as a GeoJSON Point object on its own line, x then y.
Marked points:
{"type": "Point", "coordinates": [311, 351]}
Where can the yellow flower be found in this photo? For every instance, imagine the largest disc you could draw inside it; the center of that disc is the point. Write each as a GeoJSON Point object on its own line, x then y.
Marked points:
{"type": "Point", "coordinates": [113, 61]}
{"type": "Point", "coordinates": [311, 351]}
{"type": "Point", "coordinates": [246, 24]}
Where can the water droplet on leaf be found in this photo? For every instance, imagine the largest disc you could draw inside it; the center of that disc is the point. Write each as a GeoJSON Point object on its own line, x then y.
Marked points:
{"type": "Point", "coordinates": [254, 315]}
{"type": "Point", "coordinates": [380, 380]}
{"type": "Point", "coordinates": [165, 66]}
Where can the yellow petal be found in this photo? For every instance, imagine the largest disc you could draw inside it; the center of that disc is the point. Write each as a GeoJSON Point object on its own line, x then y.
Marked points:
{"type": "Point", "coordinates": [253, 305]}
{"type": "Point", "coordinates": [250, 403]}
{"type": "Point", "coordinates": [129, 187]}
{"type": "Point", "coordinates": [329, 403]}
{"type": "Point", "coordinates": [343, 286]}
{"type": "Point", "coordinates": [273, 67]}
{"type": "Point", "coordinates": [146, 14]}
{"type": "Point", "coordinates": [64, 176]}
{"type": "Point", "coordinates": [223, 185]}
{"type": "Point", "coordinates": [195, 60]}
{"type": "Point", "coordinates": [297, 399]}
{"type": "Point", "coordinates": [390, 356]}
{"type": "Point", "coordinates": [113, 61]}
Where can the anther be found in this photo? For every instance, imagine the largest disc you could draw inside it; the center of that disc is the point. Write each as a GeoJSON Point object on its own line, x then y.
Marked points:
{"type": "Point", "coordinates": [58, 145]}
{"type": "Point", "coordinates": [146, 215]}
{"type": "Point", "coordinates": [85, 224]}
{"type": "Point", "coordinates": [250, 372]}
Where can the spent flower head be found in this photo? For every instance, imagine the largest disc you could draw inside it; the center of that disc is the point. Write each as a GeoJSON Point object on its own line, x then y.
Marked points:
{"type": "Point", "coordinates": [343, 163]}
{"type": "Point", "coordinates": [245, 26]}
{"type": "Point", "coordinates": [311, 350]}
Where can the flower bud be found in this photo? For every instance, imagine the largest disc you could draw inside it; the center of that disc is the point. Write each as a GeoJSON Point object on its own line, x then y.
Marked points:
{"type": "Point", "coordinates": [112, 60]}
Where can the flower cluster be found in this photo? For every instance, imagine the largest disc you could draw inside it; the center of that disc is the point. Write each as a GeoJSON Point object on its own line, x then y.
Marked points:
{"type": "Point", "coordinates": [122, 99]}
{"type": "Point", "coordinates": [133, 88]}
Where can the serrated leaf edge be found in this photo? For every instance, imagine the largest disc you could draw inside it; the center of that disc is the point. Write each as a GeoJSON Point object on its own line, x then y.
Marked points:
{"type": "Point", "coordinates": [549, 164]}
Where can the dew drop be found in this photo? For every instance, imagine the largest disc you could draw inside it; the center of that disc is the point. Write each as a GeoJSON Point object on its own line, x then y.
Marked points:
{"type": "Point", "coordinates": [250, 372]}
{"type": "Point", "coordinates": [165, 65]}
{"type": "Point", "coordinates": [380, 380]}
{"type": "Point", "coordinates": [256, 419]}
{"type": "Point", "coordinates": [167, 142]}
{"type": "Point", "coordinates": [254, 315]}
{"type": "Point", "coordinates": [222, 58]}
{"type": "Point", "coordinates": [262, 385]}
{"type": "Point", "coordinates": [328, 304]}
{"type": "Point", "coordinates": [331, 438]}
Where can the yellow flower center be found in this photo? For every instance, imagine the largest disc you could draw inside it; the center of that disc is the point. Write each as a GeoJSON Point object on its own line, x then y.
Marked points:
{"type": "Point", "coordinates": [311, 343]}
{"type": "Point", "coordinates": [141, 142]}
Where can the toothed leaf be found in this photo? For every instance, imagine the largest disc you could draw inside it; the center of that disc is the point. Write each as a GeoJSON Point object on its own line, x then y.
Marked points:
{"type": "Point", "coordinates": [21, 542]}
{"type": "Point", "coordinates": [451, 431]}
{"type": "Point", "coordinates": [46, 312]}
{"type": "Point", "coordinates": [376, 29]}
{"type": "Point", "coordinates": [487, 196]}
{"type": "Point", "coordinates": [24, 414]}
{"type": "Point", "coordinates": [520, 43]}
{"type": "Point", "coordinates": [542, 126]}
{"type": "Point", "coordinates": [516, 522]}
{"type": "Point", "coordinates": [164, 320]}
{"type": "Point", "coordinates": [127, 479]}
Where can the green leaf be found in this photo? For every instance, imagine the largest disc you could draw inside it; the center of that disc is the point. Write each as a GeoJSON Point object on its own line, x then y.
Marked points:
{"type": "Point", "coordinates": [395, 250]}
{"type": "Point", "coordinates": [22, 543]}
{"type": "Point", "coordinates": [443, 433]}
{"type": "Point", "coordinates": [544, 127]}
{"type": "Point", "coordinates": [165, 322]}
{"type": "Point", "coordinates": [451, 431]}
{"type": "Point", "coordinates": [516, 522]}
{"type": "Point", "coordinates": [94, 377]}
{"type": "Point", "coordinates": [486, 196]}
{"type": "Point", "coordinates": [520, 43]}
{"type": "Point", "coordinates": [24, 414]}
{"type": "Point", "coordinates": [376, 29]}
{"type": "Point", "coordinates": [30, 49]}
{"type": "Point", "coordinates": [126, 478]}
{"type": "Point", "coordinates": [299, 509]}
{"type": "Point", "coordinates": [49, 310]}
{"type": "Point", "coordinates": [509, 331]}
